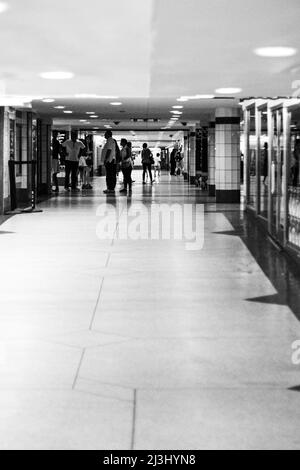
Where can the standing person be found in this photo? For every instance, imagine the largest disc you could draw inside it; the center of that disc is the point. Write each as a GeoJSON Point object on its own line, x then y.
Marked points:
{"type": "Point", "coordinates": [110, 159]}
{"type": "Point", "coordinates": [147, 161]}
{"type": "Point", "coordinates": [85, 170]}
{"type": "Point", "coordinates": [173, 161]}
{"type": "Point", "coordinates": [55, 160]}
{"type": "Point", "coordinates": [129, 144]}
{"type": "Point", "coordinates": [73, 147]}
{"type": "Point", "coordinates": [178, 160]}
{"type": "Point", "coordinates": [126, 166]}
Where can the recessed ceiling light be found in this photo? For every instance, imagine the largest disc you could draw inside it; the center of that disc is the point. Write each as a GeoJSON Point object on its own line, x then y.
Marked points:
{"type": "Point", "coordinates": [275, 51]}
{"type": "Point", "coordinates": [202, 97]}
{"type": "Point", "coordinates": [116, 103]}
{"type": "Point", "coordinates": [90, 112]}
{"type": "Point", "coordinates": [48, 100]}
{"type": "Point", "coordinates": [94, 117]}
{"type": "Point", "coordinates": [57, 75]}
{"type": "Point", "coordinates": [182, 99]}
{"type": "Point", "coordinates": [3, 7]}
{"type": "Point", "coordinates": [90, 95]}
{"type": "Point", "coordinates": [177, 107]}
{"type": "Point", "coordinates": [59, 107]}
{"type": "Point", "coordinates": [176, 112]}
{"type": "Point", "coordinates": [196, 97]}
{"type": "Point", "coordinates": [68, 112]}
{"type": "Point", "coordinates": [228, 91]}
{"type": "Point", "coordinates": [82, 120]}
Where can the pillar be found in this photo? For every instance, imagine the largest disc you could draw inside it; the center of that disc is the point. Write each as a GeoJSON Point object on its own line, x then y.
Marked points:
{"type": "Point", "coordinates": [192, 157]}
{"type": "Point", "coordinates": [44, 156]}
{"type": "Point", "coordinates": [1, 161]}
{"type": "Point", "coordinates": [185, 155]}
{"type": "Point", "coordinates": [228, 155]}
{"type": "Point", "coordinates": [212, 159]}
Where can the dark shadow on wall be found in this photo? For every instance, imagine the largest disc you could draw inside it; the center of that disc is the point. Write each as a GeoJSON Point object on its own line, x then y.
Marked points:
{"type": "Point", "coordinates": [281, 270]}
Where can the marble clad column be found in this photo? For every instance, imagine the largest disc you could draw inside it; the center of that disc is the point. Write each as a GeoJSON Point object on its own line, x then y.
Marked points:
{"type": "Point", "coordinates": [1, 160]}
{"type": "Point", "coordinates": [185, 155]}
{"type": "Point", "coordinates": [212, 159]}
{"type": "Point", "coordinates": [192, 157]}
{"type": "Point", "coordinates": [228, 155]}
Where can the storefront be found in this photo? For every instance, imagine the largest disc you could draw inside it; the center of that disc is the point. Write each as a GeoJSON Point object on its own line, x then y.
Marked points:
{"type": "Point", "coordinates": [272, 156]}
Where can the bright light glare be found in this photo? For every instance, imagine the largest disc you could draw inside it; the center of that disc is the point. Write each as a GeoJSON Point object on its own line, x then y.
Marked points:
{"type": "Point", "coordinates": [275, 51]}
{"type": "Point", "coordinates": [57, 75]}
{"type": "Point", "coordinates": [3, 7]}
{"type": "Point", "coordinates": [228, 91]}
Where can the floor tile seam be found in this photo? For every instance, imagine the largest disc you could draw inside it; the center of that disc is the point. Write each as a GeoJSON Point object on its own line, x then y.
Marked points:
{"type": "Point", "coordinates": [117, 226]}
{"type": "Point", "coordinates": [134, 418]}
{"type": "Point", "coordinates": [78, 368]}
{"type": "Point", "coordinates": [79, 348]}
{"type": "Point", "coordinates": [96, 305]}
{"type": "Point", "coordinates": [101, 395]}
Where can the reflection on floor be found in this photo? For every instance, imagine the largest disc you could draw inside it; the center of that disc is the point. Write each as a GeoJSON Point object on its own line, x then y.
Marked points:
{"type": "Point", "coordinates": [140, 344]}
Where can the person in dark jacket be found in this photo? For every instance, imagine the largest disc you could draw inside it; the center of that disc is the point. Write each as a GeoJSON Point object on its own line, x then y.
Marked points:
{"type": "Point", "coordinates": [173, 161]}
{"type": "Point", "coordinates": [56, 149]}
{"type": "Point", "coordinates": [147, 163]}
{"type": "Point", "coordinates": [126, 165]}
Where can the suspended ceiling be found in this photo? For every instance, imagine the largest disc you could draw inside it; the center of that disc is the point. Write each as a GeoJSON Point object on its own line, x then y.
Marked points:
{"type": "Point", "coordinates": [147, 53]}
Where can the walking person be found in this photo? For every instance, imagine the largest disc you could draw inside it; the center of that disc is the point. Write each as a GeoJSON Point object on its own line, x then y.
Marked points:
{"type": "Point", "coordinates": [126, 166]}
{"type": "Point", "coordinates": [111, 159]}
{"type": "Point", "coordinates": [55, 160]}
{"type": "Point", "coordinates": [157, 166]}
{"type": "Point", "coordinates": [147, 161]}
{"type": "Point", "coordinates": [85, 170]}
{"type": "Point", "coordinates": [73, 147]}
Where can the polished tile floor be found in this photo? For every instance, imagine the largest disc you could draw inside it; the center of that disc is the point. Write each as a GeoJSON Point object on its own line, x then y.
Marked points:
{"type": "Point", "coordinates": [140, 344]}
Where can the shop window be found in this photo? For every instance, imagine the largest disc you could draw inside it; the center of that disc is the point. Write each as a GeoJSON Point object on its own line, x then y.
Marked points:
{"type": "Point", "coordinates": [19, 150]}
{"type": "Point", "coordinates": [294, 182]}
{"type": "Point", "coordinates": [264, 179]}
{"type": "Point", "coordinates": [252, 149]}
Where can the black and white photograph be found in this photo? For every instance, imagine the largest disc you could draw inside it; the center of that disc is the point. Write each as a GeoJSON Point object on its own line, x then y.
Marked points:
{"type": "Point", "coordinates": [149, 228]}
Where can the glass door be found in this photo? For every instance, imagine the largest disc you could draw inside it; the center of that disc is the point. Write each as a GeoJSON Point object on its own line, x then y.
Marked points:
{"type": "Point", "coordinates": [263, 165]}
{"type": "Point", "coordinates": [251, 157]}
{"type": "Point", "coordinates": [277, 179]}
{"type": "Point", "coordinates": [293, 235]}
